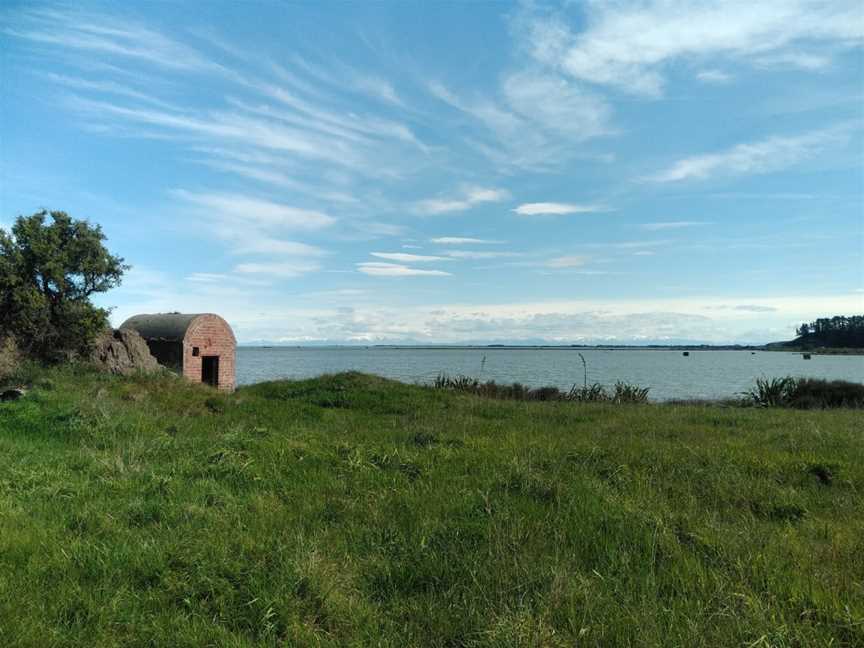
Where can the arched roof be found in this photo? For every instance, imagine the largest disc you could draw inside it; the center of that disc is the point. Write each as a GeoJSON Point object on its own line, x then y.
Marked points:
{"type": "Point", "coordinates": [170, 327]}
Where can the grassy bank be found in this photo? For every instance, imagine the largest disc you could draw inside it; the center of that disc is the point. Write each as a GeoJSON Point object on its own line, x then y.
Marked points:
{"type": "Point", "coordinates": [350, 510]}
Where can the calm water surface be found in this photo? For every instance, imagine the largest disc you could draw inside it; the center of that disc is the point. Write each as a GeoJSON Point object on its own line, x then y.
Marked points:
{"type": "Point", "coordinates": [669, 374]}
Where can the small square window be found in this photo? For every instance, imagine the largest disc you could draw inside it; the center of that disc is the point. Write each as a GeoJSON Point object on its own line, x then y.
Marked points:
{"type": "Point", "coordinates": [196, 351]}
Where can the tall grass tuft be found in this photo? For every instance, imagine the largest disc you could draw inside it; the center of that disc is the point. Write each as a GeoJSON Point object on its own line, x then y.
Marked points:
{"type": "Point", "coordinates": [771, 392]}
{"type": "Point", "coordinates": [627, 393]}
{"type": "Point", "coordinates": [587, 393]}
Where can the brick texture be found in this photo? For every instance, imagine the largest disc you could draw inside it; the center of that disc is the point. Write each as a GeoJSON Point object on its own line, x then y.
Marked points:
{"type": "Point", "coordinates": [213, 337]}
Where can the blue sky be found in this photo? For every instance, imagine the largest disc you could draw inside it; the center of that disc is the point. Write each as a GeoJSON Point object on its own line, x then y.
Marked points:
{"type": "Point", "coordinates": [451, 172]}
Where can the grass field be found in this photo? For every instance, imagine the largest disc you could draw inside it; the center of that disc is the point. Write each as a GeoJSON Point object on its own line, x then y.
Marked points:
{"type": "Point", "coordinates": [354, 511]}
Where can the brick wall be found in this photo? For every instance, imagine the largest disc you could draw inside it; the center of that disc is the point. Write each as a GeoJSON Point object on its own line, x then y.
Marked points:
{"type": "Point", "coordinates": [213, 337]}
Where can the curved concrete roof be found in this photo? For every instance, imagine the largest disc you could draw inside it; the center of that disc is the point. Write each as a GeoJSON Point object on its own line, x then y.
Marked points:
{"type": "Point", "coordinates": [171, 327]}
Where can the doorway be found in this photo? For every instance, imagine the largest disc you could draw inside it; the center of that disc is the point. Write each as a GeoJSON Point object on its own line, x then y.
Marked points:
{"type": "Point", "coordinates": [210, 370]}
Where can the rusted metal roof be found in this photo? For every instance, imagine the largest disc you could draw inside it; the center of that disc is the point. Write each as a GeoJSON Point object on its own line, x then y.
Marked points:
{"type": "Point", "coordinates": [170, 327]}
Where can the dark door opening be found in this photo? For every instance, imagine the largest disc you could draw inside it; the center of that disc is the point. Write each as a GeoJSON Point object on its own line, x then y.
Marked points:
{"type": "Point", "coordinates": [210, 370]}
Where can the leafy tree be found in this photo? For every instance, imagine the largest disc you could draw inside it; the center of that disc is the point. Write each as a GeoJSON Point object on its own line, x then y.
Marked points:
{"type": "Point", "coordinates": [48, 271]}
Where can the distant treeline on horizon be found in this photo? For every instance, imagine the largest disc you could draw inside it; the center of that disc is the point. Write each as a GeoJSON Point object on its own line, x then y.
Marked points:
{"type": "Point", "coordinates": [839, 331]}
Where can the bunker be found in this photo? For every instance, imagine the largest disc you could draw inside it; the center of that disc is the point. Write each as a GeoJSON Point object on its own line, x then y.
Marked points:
{"type": "Point", "coordinates": [200, 346]}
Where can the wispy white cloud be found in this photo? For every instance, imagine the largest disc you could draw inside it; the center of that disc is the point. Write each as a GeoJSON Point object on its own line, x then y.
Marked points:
{"type": "Point", "coordinates": [632, 245]}
{"type": "Point", "coordinates": [557, 209]}
{"type": "Point", "coordinates": [376, 229]}
{"type": "Point", "coordinates": [271, 175]}
{"type": "Point", "coordinates": [320, 117]}
{"type": "Point", "coordinates": [255, 226]}
{"type": "Point", "coordinates": [536, 120]}
{"type": "Point", "coordinates": [377, 87]}
{"type": "Point", "coordinates": [477, 254]}
{"type": "Point", "coordinates": [352, 293]}
{"type": "Point", "coordinates": [778, 195]}
{"type": "Point", "coordinates": [99, 35]}
{"type": "Point", "coordinates": [763, 156]}
{"type": "Point", "coordinates": [566, 262]}
{"type": "Point", "coordinates": [397, 270]}
{"type": "Point", "coordinates": [259, 211]}
{"type": "Point", "coordinates": [221, 42]}
{"type": "Point", "coordinates": [800, 60]}
{"type": "Point", "coordinates": [336, 76]}
{"type": "Point", "coordinates": [654, 227]}
{"type": "Point", "coordinates": [258, 244]}
{"type": "Point", "coordinates": [468, 198]}
{"type": "Point", "coordinates": [404, 257]}
{"type": "Point", "coordinates": [631, 45]}
{"type": "Point", "coordinates": [106, 87]}
{"type": "Point", "coordinates": [208, 277]}
{"type": "Point", "coordinates": [463, 240]}
{"type": "Point", "coordinates": [646, 244]}
{"type": "Point", "coordinates": [558, 105]}
{"type": "Point", "coordinates": [750, 308]}
{"type": "Point", "coordinates": [713, 76]}
{"type": "Point", "coordinates": [282, 269]}
{"type": "Point", "coordinates": [220, 279]}
{"type": "Point", "coordinates": [234, 128]}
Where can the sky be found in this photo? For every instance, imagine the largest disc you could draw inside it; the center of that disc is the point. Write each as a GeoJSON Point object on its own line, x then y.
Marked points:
{"type": "Point", "coordinates": [463, 172]}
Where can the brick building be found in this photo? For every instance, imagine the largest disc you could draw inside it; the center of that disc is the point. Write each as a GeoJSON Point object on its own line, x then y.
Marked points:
{"type": "Point", "coordinates": [201, 347]}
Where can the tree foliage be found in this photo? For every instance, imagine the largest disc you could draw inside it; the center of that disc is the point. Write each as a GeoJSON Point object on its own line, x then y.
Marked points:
{"type": "Point", "coordinates": [48, 272]}
{"type": "Point", "coordinates": [837, 331]}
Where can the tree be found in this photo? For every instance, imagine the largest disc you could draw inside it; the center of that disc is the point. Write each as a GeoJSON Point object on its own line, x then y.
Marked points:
{"type": "Point", "coordinates": [48, 271]}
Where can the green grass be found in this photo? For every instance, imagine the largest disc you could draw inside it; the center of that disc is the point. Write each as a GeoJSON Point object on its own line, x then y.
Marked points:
{"type": "Point", "coordinates": [355, 511]}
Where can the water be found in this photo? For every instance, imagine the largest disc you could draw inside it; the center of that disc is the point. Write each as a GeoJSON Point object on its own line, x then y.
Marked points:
{"type": "Point", "coordinates": [704, 374]}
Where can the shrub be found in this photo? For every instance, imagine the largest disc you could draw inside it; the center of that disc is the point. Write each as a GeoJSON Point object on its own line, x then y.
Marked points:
{"type": "Point", "coordinates": [811, 393]}
{"type": "Point", "coordinates": [806, 393]}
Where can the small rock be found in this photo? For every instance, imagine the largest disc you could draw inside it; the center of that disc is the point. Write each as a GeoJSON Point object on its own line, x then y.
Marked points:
{"type": "Point", "coordinates": [12, 394]}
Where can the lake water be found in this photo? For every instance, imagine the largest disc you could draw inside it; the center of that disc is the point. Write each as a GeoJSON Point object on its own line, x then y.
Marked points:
{"type": "Point", "coordinates": [669, 374]}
